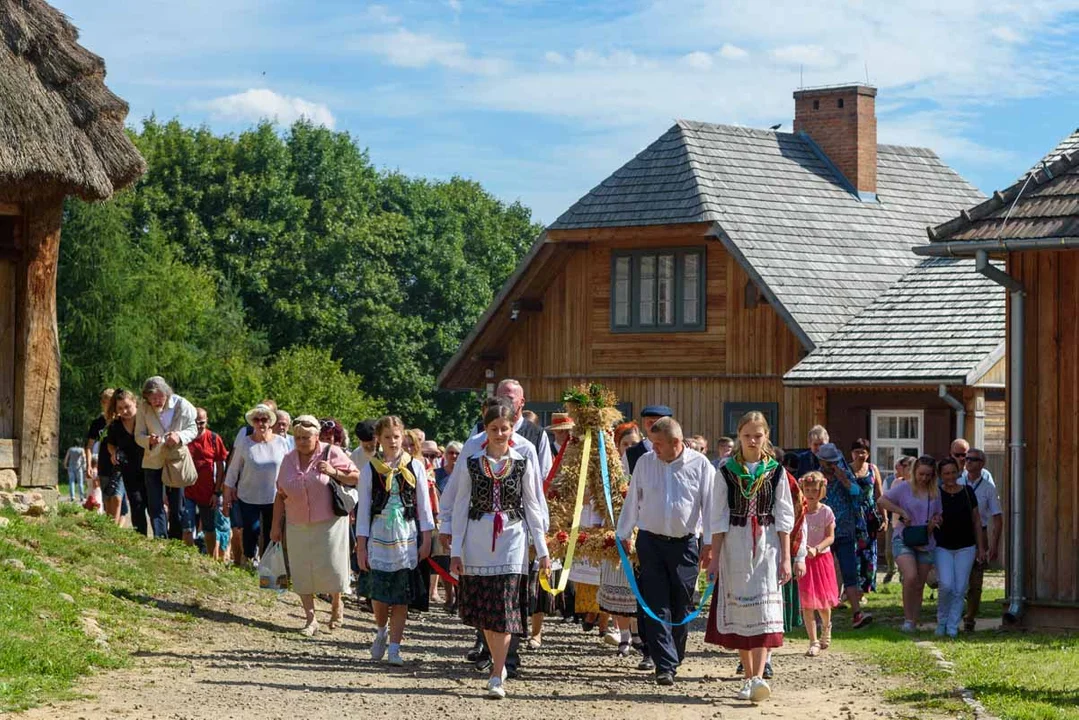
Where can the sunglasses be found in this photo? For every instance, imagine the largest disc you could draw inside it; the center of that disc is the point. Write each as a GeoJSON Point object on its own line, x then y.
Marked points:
{"type": "Point", "coordinates": [959, 455]}
{"type": "Point", "coordinates": [975, 459]}
{"type": "Point", "coordinates": [431, 456]}
{"type": "Point", "coordinates": [200, 422]}
{"type": "Point", "coordinates": [260, 421]}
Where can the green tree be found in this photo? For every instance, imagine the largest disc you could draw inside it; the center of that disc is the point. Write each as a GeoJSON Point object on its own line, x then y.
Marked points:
{"type": "Point", "coordinates": [308, 381]}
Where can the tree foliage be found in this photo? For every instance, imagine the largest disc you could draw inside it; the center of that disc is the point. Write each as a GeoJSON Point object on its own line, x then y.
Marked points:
{"type": "Point", "coordinates": [235, 251]}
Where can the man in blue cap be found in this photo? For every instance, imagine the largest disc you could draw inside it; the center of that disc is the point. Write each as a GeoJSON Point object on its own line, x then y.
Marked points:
{"type": "Point", "coordinates": [649, 416]}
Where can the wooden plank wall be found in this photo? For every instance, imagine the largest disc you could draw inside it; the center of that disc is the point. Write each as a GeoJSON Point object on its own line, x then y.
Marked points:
{"type": "Point", "coordinates": [1051, 432]}
{"type": "Point", "coordinates": [570, 341]}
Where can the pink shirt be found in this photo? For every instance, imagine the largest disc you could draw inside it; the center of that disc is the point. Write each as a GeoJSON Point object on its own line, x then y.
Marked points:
{"type": "Point", "coordinates": [306, 491]}
{"type": "Point", "coordinates": [817, 525]}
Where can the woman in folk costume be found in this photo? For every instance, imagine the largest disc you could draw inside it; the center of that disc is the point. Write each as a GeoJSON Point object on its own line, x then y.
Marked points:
{"type": "Point", "coordinates": [752, 518]}
{"type": "Point", "coordinates": [393, 535]}
{"type": "Point", "coordinates": [496, 511]}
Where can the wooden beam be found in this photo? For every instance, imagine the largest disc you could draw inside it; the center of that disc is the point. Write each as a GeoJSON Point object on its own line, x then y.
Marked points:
{"type": "Point", "coordinates": [9, 454]}
{"type": "Point", "coordinates": [527, 304]}
{"type": "Point", "coordinates": [9, 293]}
{"type": "Point", "coordinates": [38, 352]}
{"type": "Point", "coordinates": [9, 209]}
{"type": "Point", "coordinates": [647, 232]}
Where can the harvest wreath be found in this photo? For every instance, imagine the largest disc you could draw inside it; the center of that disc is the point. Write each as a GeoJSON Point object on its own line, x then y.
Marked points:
{"type": "Point", "coordinates": [593, 409]}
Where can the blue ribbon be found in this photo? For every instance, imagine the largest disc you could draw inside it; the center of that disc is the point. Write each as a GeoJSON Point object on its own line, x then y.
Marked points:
{"type": "Point", "coordinates": [627, 567]}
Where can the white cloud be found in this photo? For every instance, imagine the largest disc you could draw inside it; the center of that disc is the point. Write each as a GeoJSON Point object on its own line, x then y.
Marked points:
{"type": "Point", "coordinates": [382, 14]}
{"type": "Point", "coordinates": [1006, 34]}
{"type": "Point", "coordinates": [699, 60]}
{"type": "Point", "coordinates": [259, 104]}
{"type": "Point", "coordinates": [813, 56]}
{"type": "Point", "coordinates": [943, 132]}
{"type": "Point", "coordinates": [554, 58]}
{"type": "Point", "coordinates": [732, 52]}
{"type": "Point", "coordinates": [404, 48]}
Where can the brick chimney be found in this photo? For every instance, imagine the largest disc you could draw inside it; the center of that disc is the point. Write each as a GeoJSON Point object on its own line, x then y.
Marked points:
{"type": "Point", "coordinates": [842, 121]}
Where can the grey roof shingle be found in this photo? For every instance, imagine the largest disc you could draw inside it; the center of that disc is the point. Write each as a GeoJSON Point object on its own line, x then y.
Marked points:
{"type": "Point", "coordinates": [936, 324]}
{"type": "Point", "coordinates": [818, 250]}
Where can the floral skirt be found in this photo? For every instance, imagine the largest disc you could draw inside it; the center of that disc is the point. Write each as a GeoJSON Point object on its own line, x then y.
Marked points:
{"type": "Point", "coordinates": [491, 602]}
{"type": "Point", "coordinates": [615, 596]}
{"type": "Point", "coordinates": [867, 564]}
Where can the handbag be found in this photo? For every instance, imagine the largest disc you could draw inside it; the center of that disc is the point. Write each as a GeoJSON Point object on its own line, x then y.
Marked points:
{"type": "Point", "coordinates": [178, 470]}
{"type": "Point", "coordinates": [915, 536]}
{"type": "Point", "coordinates": [343, 498]}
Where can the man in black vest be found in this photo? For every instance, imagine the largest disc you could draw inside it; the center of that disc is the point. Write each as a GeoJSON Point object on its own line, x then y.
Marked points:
{"type": "Point", "coordinates": [649, 415]}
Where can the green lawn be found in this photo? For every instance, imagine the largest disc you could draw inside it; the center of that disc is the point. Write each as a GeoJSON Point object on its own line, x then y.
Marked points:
{"type": "Point", "coordinates": [1016, 675]}
{"type": "Point", "coordinates": [78, 593]}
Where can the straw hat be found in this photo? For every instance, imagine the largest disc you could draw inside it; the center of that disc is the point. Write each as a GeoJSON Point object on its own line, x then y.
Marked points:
{"type": "Point", "coordinates": [561, 421]}
{"type": "Point", "coordinates": [260, 410]}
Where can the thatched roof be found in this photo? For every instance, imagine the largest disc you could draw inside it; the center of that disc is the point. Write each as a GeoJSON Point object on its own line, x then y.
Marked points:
{"type": "Point", "coordinates": [61, 129]}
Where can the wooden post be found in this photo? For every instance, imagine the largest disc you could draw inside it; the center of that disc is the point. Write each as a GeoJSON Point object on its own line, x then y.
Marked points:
{"type": "Point", "coordinates": [37, 377]}
{"type": "Point", "coordinates": [974, 430]}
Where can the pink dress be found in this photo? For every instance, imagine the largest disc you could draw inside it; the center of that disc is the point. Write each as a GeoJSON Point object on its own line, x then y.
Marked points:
{"type": "Point", "coordinates": [817, 589]}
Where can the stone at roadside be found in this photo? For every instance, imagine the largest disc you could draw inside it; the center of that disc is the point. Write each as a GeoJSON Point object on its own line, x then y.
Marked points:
{"type": "Point", "coordinates": [15, 563]}
{"type": "Point", "coordinates": [66, 598]}
{"type": "Point", "coordinates": [4, 522]}
{"type": "Point", "coordinates": [8, 480]}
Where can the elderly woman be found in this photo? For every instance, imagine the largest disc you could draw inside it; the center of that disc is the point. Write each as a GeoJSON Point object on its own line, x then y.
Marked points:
{"type": "Point", "coordinates": [164, 420]}
{"type": "Point", "coordinates": [317, 538]}
{"type": "Point", "coordinates": [252, 478]}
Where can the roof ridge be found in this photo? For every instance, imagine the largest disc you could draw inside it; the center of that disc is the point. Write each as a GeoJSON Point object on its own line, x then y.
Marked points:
{"type": "Point", "coordinates": [694, 163]}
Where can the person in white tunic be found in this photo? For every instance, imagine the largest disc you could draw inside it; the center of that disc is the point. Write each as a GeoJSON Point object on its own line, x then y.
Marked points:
{"type": "Point", "coordinates": [497, 510]}
{"type": "Point", "coordinates": [752, 518]}
{"type": "Point", "coordinates": [393, 534]}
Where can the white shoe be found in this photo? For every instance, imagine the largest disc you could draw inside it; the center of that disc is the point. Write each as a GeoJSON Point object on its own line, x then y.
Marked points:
{"type": "Point", "coordinates": [612, 638]}
{"type": "Point", "coordinates": [908, 627]}
{"type": "Point", "coordinates": [759, 690]}
{"type": "Point", "coordinates": [743, 694]}
{"type": "Point", "coordinates": [395, 658]}
{"type": "Point", "coordinates": [495, 691]}
{"type": "Point", "coordinates": [310, 629]}
{"type": "Point", "coordinates": [378, 647]}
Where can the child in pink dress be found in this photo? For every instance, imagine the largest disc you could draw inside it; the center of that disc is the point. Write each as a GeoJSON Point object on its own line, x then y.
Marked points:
{"type": "Point", "coordinates": [817, 589]}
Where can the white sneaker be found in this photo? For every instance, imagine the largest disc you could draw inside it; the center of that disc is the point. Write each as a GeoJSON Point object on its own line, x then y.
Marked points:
{"type": "Point", "coordinates": [495, 691]}
{"type": "Point", "coordinates": [378, 647]}
{"type": "Point", "coordinates": [612, 637]}
{"type": "Point", "coordinates": [908, 627]}
{"type": "Point", "coordinates": [743, 694]}
{"type": "Point", "coordinates": [759, 690]}
{"type": "Point", "coordinates": [395, 658]}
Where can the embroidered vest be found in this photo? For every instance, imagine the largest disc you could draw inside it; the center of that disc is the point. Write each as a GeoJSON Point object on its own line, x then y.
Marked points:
{"type": "Point", "coordinates": [511, 491]}
{"type": "Point", "coordinates": [766, 497]}
{"type": "Point", "coordinates": [380, 495]}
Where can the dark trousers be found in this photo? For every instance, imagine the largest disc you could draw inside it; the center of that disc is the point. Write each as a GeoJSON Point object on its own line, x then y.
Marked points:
{"type": "Point", "coordinates": [974, 592]}
{"type": "Point", "coordinates": [136, 499]}
{"type": "Point", "coordinates": [257, 520]}
{"type": "Point", "coordinates": [642, 619]}
{"type": "Point", "coordinates": [669, 570]}
{"type": "Point", "coordinates": [165, 526]}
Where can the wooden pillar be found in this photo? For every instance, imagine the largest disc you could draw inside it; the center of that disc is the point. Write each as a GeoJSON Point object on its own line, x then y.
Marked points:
{"type": "Point", "coordinates": [974, 428]}
{"type": "Point", "coordinates": [37, 376]}
{"type": "Point", "coordinates": [820, 408]}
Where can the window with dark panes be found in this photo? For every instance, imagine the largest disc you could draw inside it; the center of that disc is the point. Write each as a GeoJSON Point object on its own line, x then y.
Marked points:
{"type": "Point", "coordinates": [657, 290]}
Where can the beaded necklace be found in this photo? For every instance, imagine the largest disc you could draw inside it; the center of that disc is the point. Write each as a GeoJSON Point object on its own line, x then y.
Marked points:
{"type": "Point", "coordinates": [499, 474]}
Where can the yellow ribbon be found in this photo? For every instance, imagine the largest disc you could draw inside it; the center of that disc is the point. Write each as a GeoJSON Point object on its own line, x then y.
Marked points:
{"type": "Point", "coordinates": [567, 563]}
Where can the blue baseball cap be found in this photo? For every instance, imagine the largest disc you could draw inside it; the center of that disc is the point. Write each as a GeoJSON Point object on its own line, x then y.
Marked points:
{"type": "Point", "coordinates": [657, 411]}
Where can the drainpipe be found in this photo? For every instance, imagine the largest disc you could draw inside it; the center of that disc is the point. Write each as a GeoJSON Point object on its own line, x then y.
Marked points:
{"type": "Point", "coordinates": [1016, 376]}
{"type": "Point", "coordinates": [960, 409]}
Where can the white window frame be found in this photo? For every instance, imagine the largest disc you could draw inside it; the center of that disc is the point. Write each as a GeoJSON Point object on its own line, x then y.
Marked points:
{"type": "Point", "coordinates": [897, 444]}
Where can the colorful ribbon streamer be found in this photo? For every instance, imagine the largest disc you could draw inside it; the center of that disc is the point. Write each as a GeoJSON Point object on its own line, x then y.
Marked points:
{"type": "Point", "coordinates": [627, 567]}
{"type": "Point", "coordinates": [441, 571]}
{"type": "Point", "coordinates": [554, 468]}
{"type": "Point", "coordinates": [567, 563]}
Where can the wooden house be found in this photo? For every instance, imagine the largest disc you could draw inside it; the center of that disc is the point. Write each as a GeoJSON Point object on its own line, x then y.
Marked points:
{"type": "Point", "coordinates": [705, 269]}
{"type": "Point", "coordinates": [61, 133]}
{"type": "Point", "coordinates": [1033, 227]}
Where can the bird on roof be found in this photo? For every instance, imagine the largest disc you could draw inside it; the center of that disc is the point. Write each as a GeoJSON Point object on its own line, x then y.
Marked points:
{"type": "Point", "coordinates": [776, 126]}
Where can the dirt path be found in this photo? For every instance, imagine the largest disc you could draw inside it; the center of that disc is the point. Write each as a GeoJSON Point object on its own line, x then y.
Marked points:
{"type": "Point", "coordinates": [258, 668]}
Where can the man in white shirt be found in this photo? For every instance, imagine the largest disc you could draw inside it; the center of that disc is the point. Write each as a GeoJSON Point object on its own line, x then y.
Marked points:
{"type": "Point", "coordinates": [669, 503]}
{"type": "Point", "coordinates": [479, 653]}
{"type": "Point", "coordinates": [981, 482]}
{"type": "Point", "coordinates": [511, 390]}
{"type": "Point", "coordinates": [365, 435]}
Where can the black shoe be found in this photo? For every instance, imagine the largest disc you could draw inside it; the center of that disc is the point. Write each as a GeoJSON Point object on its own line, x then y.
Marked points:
{"type": "Point", "coordinates": [888, 577]}
{"type": "Point", "coordinates": [861, 619]}
{"type": "Point", "coordinates": [740, 670]}
{"type": "Point", "coordinates": [665, 679]}
{"type": "Point", "coordinates": [637, 643]}
{"type": "Point", "coordinates": [588, 626]}
{"type": "Point", "coordinates": [484, 665]}
{"type": "Point", "coordinates": [513, 673]}
{"type": "Point", "coordinates": [474, 654]}
{"type": "Point", "coordinates": [767, 674]}
{"type": "Point", "coordinates": [646, 664]}
{"type": "Point", "coordinates": [623, 649]}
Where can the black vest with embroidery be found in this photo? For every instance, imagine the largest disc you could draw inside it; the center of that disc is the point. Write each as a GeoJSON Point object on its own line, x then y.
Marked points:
{"type": "Point", "coordinates": [380, 495]}
{"type": "Point", "coordinates": [511, 491]}
{"type": "Point", "coordinates": [739, 504]}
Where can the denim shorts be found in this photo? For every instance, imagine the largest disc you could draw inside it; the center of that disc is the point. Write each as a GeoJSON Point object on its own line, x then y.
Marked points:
{"type": "Point", "coordinates": [899, 548]}
{"type": "Point", "coordinates": [193, 511]}
{"type": "Point", "coordinates": [845, 554]}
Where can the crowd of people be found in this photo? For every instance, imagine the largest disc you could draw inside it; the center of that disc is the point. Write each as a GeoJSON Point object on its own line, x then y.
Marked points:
{"type": "Point", "coordinates": [786, 537]}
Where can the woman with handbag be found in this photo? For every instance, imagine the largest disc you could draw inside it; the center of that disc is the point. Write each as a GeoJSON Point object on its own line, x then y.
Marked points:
{"type": "Point", "coordinates": [874, 522]}
{"type": "Point", "coordinates": [393, 535]}
{"type": "Point", "coordinates": [164, 425]}
{"type": "Point", "coordinates": [310, 479]}
{"type": "Point", "coordinates": [960, 541]}
{"type": "Point", "coordinates": [917, 507]}
{"type": "Point", "coordinates": [251, 479]}
{"type": "Point", "coordinates": [125, 461]}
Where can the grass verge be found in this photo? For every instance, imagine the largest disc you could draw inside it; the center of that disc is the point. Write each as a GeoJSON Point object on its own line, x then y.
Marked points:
{"type": "Point", "coordinates": [1015, 675]}
{"type": "Point", "coordinates": [78, 594]}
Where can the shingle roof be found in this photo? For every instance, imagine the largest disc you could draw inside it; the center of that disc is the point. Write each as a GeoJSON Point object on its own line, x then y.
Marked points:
{"type": "Point", "coordinates": [940, 323]}
{"type": "Point", "coordinates": [1069, 145]}
{"type": "Point", "coordinates": [1043, 204]}
{"type": "Point", "coordinates": [783, 209]}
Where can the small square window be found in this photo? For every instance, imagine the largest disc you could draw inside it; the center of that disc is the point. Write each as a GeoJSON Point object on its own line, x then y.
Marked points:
{"type": "Point", "coordinates": [839, 102]}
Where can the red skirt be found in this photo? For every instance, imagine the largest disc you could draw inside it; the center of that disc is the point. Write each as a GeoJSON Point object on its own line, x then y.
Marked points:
{"type": "Point", "coordinates": [731, 641]}
{"type": "Point", "coordinates": [817, 589]}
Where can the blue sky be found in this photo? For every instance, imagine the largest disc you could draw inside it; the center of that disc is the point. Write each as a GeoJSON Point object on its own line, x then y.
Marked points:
{"type": "Point", "coordinates": [540, 100]}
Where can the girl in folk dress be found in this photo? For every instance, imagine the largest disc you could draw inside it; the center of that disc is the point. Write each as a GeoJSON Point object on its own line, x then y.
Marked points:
{"type": "Point", "coordinates": [393, 534]}
{"type": "Point", "coordinates": [817, 589]}
{"type": "Point", "coordinates": [752, 518]}
{"type": "Point", "coordinates": [496, 509]}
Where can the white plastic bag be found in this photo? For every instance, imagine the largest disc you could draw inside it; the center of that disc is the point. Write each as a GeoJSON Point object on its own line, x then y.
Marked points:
{"type": "Point", "coordinates": [272, 572]}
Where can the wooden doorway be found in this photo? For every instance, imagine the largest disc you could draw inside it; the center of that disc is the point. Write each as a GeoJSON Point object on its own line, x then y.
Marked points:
{"type": "Point", "coordinates": [9, 265]}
